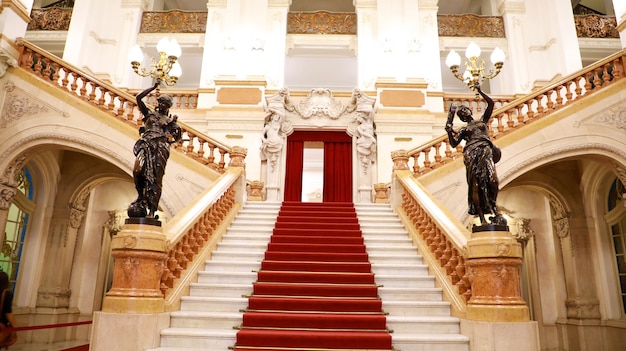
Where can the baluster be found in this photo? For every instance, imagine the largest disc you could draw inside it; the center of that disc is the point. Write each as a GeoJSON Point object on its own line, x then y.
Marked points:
{"type": "Point", "coordinates": [540, 108]}
{"type": "Point", "coordinates": [415, 164]}
{"type": "Point", "coordinates": [426, 167]}
{"type": "Point", "coordinates": [529, 106]}
{"type": "Point", "coordinates": [448, 151]}
{"type": "Point", "coordinates": [222, 162]}
{"type": "Point", "coordinates": [578, 90]}
{"type": "Point", "coordinates": [559, 97]}
{"type": "Point", "coordinates": [451, 266]}
{"type": "Point", "coordinates": [520, 115]}
{"type": "Point", "coordinates": [38, 66]}
{"type": "Point", "coordinates": [500, 125]}
{"type": "Point", "coordinates": [443, 261]}
{"type": "Point", "coordinates": [437, 155]}
{"type": "Point", "coordinates": [192, 137]}
{"type": "Point", "coordinates": [510, 123]}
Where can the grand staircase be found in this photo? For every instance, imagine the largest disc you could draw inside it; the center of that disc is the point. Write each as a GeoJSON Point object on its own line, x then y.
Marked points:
{"type": "Point", "coordinates": [292, 297]}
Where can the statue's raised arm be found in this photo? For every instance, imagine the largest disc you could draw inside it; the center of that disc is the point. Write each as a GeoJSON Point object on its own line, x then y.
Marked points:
{"type": "Point", "coordinates": [490, 104]}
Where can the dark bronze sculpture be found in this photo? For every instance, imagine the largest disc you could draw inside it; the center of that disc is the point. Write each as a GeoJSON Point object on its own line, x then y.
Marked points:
{"type": "Point", "coordinates": [479, 156]}
{"type": "Point", "coordinates": [152, 150]}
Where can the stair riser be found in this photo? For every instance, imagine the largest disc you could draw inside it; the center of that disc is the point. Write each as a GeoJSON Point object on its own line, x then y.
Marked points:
{"type": "Point", "coordinates": [416, 310]}
{"type": "Point", "coordinates": [231, 266]}
{"type": "Point", "coordinates": [430, 346]}
{"type": "Point", "coordinates": [205, 323]}
{"type": "Point", "coordinates": [198, 342]}
{"type": "Point", "coordinates": [407, 270]}
{"type": "Point", "coordinates": [238, 256]}
{"type": "Point", "coordinates": [390, 259]}
{"type": "Point", "coordinates": [390, 296]}
{"type": "Point", "coordinates": [222, 291]}
{"type": "Point", "coordinates": [213, 306]}
{"type": "Point", "coordinates": [226, 278]}
{"type": "Point", "coordinates": [424, 327]}
{"type": "Point", "coordinates": [405, 282]}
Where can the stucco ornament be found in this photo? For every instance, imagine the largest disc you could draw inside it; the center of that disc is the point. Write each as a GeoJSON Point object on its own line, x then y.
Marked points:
{"type": "Point", "coordinates": [320, 102]}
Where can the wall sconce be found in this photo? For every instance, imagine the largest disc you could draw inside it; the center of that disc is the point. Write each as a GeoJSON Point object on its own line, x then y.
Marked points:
{"type": "Point", "coordinates": [167, 68]}
{"type": "Point", "coordinates": [474, 72]}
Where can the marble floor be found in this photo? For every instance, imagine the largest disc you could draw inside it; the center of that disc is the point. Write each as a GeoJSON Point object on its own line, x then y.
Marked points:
{"type": "Point", "coordinates": [59, 346]}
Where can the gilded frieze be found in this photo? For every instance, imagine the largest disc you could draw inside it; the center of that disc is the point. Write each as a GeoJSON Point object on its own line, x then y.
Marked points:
{"type": "Point", "coordinates": [174, 21]}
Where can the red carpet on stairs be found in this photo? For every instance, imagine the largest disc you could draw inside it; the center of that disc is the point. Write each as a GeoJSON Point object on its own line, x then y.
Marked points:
{"type": "Point", "coordinates": [315, 289]}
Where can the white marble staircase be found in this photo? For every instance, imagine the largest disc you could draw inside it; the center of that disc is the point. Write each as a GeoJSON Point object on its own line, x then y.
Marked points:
{"type": "Point", "coordinates": [207, 316]}
{"type": "Point", "coordinates": [417, 316]}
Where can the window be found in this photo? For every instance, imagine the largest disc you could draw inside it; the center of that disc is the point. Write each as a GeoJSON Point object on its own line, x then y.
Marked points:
{"type": "Point", "coordinates": [618, 235]}
{"type": "Point", "coordinates": [15, 230]}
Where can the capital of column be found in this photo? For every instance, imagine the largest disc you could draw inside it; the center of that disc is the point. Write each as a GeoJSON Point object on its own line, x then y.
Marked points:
{"type": "Point", "coordinates": [139, 257]}
{"type": "Point", "coordinates": [494, 259]}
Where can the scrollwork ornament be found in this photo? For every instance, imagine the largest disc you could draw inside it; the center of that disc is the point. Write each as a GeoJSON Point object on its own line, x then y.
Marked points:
{"type": "Point", "coordinates": [76, 217]}
{"type": "Point", "coordinates": [9, 177]}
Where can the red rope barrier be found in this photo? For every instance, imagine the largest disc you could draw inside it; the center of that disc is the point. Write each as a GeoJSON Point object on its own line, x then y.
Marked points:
{"type": "Point", "coordinates": [48, 326]}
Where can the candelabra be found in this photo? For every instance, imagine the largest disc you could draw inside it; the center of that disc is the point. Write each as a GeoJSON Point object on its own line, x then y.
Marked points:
{"type": "Point", "coordinates": [167, 69]}
{"type": "Point", "coordinates": [474, 71]}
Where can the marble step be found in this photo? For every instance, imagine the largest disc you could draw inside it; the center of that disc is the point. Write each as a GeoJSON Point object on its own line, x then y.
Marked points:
{"type": "Point", "coordinates": [382, 257]}
{"type": "Point", "coordinates": [430, 342]}
{"type": "Point", "coordinates": [410, 294]}
{"type": "Point", "coordinates": [227, 277]}
{"type": "Point", "coordinates": [216, 265]}
{"type": "Point", "coordinates": [400, 269]}
{"type": "Point", "coordinates": [220, 289]}
{"type": "Point", "coordinates": [213, 304]}
{"type": "Point", "coordinates": [423, 324]}
{"type": "Point", "coordinates": [206, 320]}
{"type": "Point", "coordinates": [201, 339]}
{"type": "Point", "coordinates": [405, 281]}
{"type": "Point", "coordinates": [416, 308]}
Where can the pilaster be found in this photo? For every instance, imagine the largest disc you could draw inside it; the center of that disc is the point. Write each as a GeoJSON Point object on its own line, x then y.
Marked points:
{"type": "Point", "coordinates": [620, 13]}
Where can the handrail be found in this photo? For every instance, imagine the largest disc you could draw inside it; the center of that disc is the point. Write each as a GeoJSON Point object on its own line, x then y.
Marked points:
{"type": "Point", "coordinates": [194, 232]}
{"type": "Point", "coordinates": [114, 101]}
{"type": "Point", "coordinates": [527, 109]}
{"type": "Point", "coordinates": [440, 237]}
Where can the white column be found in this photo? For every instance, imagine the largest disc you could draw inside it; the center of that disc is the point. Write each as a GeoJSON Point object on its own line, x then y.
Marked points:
{"type": "Point", "coordinates": [369, 50]}
{"type": "Point", "coordinates": [429, 52]}
{"type": "Point", "coordinates": [102, 46]}
{"type": "Point", "coordinates": [275, 42]}
{"type": "Point", "coordinates": [14, 18]}
{"type": "Point", "coordinates": [620, 13]}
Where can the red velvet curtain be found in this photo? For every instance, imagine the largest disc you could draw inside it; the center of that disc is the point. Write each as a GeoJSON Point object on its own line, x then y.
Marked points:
{"type": "Point", "coordinates": [338, 171]}
{"type": "Point", "coordinates": [337, 165]}
{"type": "Point", "coordinates": [293, 175]}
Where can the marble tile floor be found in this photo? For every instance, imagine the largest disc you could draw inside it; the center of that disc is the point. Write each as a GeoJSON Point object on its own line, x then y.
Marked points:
{"type": "Point", "coordinates": [57, 346]}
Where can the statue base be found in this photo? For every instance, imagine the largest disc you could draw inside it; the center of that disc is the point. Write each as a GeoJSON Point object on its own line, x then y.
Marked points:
{"type": "Point", "coordinates": [490, 228]}
{"type": "Point", "coordinates": [143, 220]}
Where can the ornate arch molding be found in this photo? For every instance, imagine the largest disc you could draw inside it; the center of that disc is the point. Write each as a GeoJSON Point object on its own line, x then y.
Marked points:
{"type": "Point", "coordinates": [614, 154]}
{"type": "Point", "coordinates": [27, 145]}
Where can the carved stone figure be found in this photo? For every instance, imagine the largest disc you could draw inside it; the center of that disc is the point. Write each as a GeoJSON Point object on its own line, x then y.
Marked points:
{"type": "Point", "coordinates": [272, 139]}
{"type": "Point", "coordinates": [479, 156]}
{"type": "Point", "coordinates": [152, 150]}
{"type": "Point", "coordinates": [365, 135]}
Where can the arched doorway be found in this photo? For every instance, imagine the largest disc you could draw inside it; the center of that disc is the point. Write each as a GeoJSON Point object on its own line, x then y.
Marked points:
{"type": "Point", "coordinates": [337, 165]}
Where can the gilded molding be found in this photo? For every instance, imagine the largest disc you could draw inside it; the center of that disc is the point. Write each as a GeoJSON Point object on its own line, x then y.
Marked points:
{"type": "Point", "coordinates": [54, 18]}
{"type": "Point", "coordinates": [174, 21]}
{"type": "Point", "coordinates": [470, 25]}
{"type": "Point", "coordinates": [595, 26]}
{"type": "Point", "coordinates": [321, 22]}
